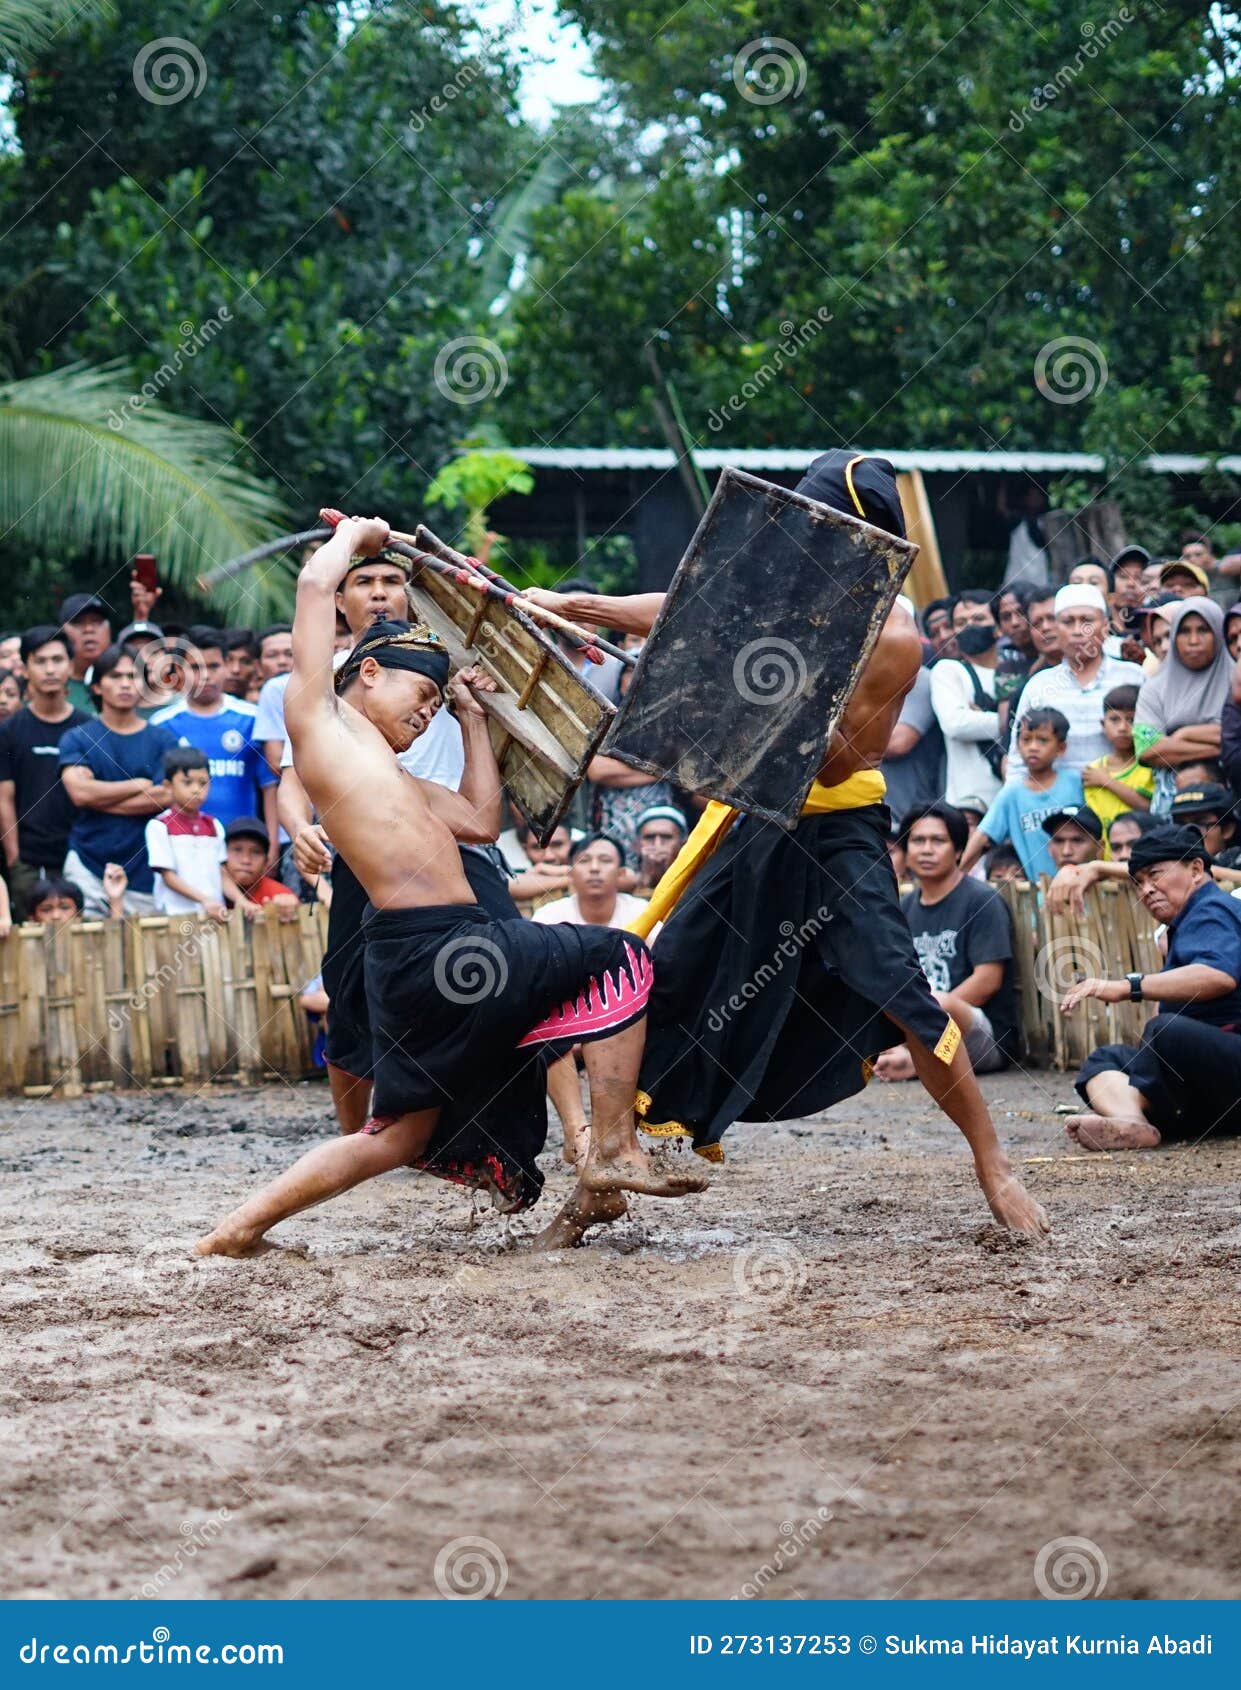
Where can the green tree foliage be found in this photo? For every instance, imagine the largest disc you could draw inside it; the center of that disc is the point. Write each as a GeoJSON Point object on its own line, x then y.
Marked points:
{"type": "Point", "coordinates": [326, 176]}
{"type": "Point", "coordinates": [955, 187]}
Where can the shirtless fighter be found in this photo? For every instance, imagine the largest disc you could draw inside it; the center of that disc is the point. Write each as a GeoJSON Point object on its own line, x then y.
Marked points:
{"type": "Point", "coordinates": [461, 1007]}
{"type": "Point", "coordinates": [848, 984]}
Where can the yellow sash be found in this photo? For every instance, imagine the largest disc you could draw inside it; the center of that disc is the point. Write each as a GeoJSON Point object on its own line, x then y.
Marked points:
{"type": "Point", "coordinates": [865, 787]}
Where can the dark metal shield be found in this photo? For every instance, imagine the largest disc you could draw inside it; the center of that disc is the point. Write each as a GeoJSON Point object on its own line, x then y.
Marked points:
{"type": "Point", "coordinates": [769, 620]}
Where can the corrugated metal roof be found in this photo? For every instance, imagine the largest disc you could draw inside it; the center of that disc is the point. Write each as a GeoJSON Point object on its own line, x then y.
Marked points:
{"type": "Point", "coordinates": [799, 458]}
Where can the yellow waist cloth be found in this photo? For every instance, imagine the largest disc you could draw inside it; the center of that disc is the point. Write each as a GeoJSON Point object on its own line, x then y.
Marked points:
{"type": "Point", "coordinates": [855, 793]}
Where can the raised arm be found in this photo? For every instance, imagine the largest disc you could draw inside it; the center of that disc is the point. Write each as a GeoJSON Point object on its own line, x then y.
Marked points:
{"type": "Point", "coordinates": [632, 613]}
{"type": "Point", "coordinates": [310, 694]}
{"type": "Point", "coordinates": [474, 812]}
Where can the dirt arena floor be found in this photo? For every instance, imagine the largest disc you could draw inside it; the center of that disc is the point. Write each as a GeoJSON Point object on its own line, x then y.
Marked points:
{"type": "Point", "coordinates": [829, 1377]}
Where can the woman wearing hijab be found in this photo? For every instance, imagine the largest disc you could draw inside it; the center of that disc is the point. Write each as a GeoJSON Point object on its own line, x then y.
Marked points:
{"type": "Point", "coordinates": [1178, 713]}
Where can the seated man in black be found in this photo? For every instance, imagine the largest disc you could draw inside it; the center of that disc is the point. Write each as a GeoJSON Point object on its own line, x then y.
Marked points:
{"type": "Point", "coordinates": [1183, 1081]}
{"type": "Point", "coordinates": [963, 938]}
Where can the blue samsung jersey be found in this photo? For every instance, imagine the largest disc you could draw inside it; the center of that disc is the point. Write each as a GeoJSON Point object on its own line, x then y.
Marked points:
{"type": "Point", "coordinates": [235, 759]}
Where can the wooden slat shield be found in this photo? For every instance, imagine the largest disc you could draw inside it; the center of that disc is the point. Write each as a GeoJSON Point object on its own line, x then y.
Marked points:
{"type": "Point", "coordinates": [771, 616]}
{"type": "Point", "coordinates": [546, 721]}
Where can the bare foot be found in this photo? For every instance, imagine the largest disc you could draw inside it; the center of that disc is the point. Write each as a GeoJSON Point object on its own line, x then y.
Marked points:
{"type": "Point", "coordinates": [1104, 1132]}
{"type": "Point", "coordinates": [1009, 1201]}
{"type": "Point", "coordinates": [229, 1239]}
{"type": "Point", "coordinates": [583, 1210]}
{"type": "Point", "coordinates": [633, 1170]}
{"type": "Point", "coordinates": [895, 1065]}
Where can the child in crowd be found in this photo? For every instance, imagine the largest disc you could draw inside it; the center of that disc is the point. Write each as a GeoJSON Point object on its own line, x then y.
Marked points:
{"type": "Point", "coordinates": [185, 847]}
{"type": "Point", "coordinates": [248, 843]}
{"type": "Point", "coordinates": [1118, 781]}
{"type": "Point", "coordinates": [55, 900]}
{"type": "Point", "coordinates": [1002, 863]}
{"type": "Point", "coordinates": [1021, 806]}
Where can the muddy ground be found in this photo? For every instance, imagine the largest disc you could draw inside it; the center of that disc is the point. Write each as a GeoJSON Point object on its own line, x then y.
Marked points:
{"type": "Point", "coordinates": [831, 1376]}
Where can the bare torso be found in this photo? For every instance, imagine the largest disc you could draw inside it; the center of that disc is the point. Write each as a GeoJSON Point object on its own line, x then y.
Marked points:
{"type": "Point", "coordinates": [379, 817]}
{"type": "Point", "coordinates": [866, 727]}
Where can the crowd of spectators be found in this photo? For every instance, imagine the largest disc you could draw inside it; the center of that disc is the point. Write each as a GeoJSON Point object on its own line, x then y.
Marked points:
{"type": "Point", "coordinates": [1050, 728]}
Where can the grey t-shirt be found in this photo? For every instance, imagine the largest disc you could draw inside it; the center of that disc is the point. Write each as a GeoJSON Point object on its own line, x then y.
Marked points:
{"type": "Point", "coordinates": [919, 777]}
{"type": "Point", "coordinates": [968, 927]}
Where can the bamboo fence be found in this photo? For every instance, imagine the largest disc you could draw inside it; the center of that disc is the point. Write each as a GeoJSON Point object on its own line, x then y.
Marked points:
{"type": "Point", "coordinates": [170, 1000]}
{"type": "Point", "coordinates": [155, 1001]}
{"type": "Point", "coordinates": [1052, 952]}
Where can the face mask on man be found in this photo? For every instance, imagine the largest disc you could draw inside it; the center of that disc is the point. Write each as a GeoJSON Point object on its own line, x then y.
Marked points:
{"type": "Point", "coordinates": [973, 640]}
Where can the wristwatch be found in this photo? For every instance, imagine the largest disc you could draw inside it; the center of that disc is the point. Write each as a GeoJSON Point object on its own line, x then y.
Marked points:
{"type": "Point", "coordinates": [1135, 987]}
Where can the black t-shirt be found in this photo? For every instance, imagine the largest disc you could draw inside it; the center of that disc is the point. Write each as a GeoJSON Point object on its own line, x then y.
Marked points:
{"type": "Point", "coordinates": [30, 758]}
{"type": "Point", "coordinates": [968, 927]}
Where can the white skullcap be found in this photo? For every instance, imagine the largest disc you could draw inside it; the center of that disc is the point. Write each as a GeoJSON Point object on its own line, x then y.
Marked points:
{"type": "Point", "coordinates": [1079, 596]}
{"type": "Point", "coordinates": [906, 604]}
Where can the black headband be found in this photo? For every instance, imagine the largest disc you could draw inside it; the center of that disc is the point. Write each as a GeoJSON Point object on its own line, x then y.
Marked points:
{"type": "Point", "coordinates": [858, 485]}
{"type": "Point", "coordinates": [398, 645]}
{"type": "Point", "coordinates": [1168, 845]}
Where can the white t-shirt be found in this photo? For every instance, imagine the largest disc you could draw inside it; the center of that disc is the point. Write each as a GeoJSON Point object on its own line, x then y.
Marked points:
{"type": "Point", "coordinates": [568, 909]}
{"type": "Point", "coordinates": [192, 847]}
{"type": "Point", "coordinates": [965, 730]}
{"type": "Point", "coordinates": [269, 711]}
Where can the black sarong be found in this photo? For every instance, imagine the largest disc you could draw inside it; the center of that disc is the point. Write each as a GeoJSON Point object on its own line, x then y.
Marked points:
{"type": "Point", "coordinates": [1188, 1071]}
{"type": "Point", "coordinates": [780, 976]}
{"type": "Point", "coordinates": [348, 1041]}
{"type": "Point", "coordinates": [465, 1012]}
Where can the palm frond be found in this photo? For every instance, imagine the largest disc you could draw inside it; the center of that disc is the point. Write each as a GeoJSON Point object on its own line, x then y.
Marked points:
{"type": "Point", "coordinates": [82, 470]}
{"type": "Point", "coordinates": [508, 237]}
{"type": "Point", "coordinates": [28, 26]}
